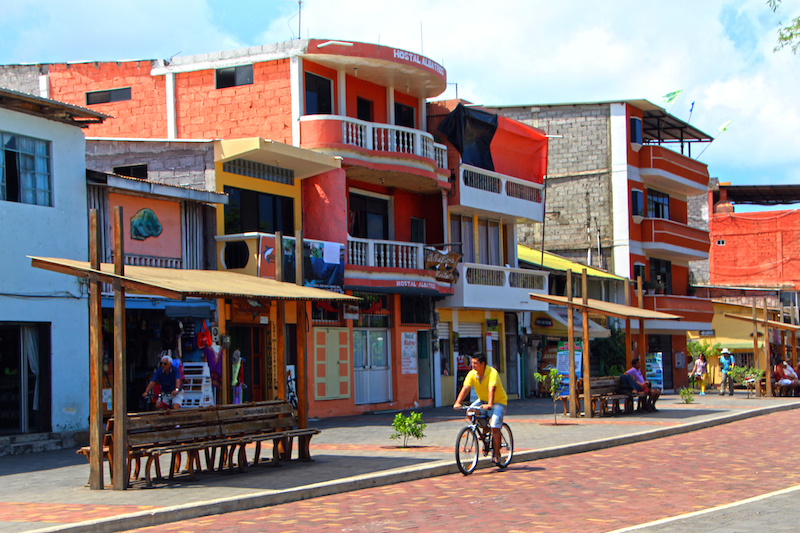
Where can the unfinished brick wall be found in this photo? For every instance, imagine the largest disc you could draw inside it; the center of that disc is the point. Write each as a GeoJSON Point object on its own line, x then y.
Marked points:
{"type": "Point", "coordinates": [263, 109]}
{"type": "Point", "coordinates": [22, 78]}
{"type": "Point", "coordinates": [143, 116]}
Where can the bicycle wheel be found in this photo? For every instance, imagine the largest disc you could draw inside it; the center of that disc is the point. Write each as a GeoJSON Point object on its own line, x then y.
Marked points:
{"type": "Point", "coordinates": [506, 445]}
{"type": "Point", "coordinates": [467, 451]}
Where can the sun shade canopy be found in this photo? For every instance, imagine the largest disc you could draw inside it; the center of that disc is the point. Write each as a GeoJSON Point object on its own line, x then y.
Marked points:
{"type": "Point", "coordinates": [760, 321]}
{"type": "Point", "coordinates": [181, 284]}
{"type": "Point", "coordinates": [556, 262]}
{"type": "Point", "coordinates": [607, 308]}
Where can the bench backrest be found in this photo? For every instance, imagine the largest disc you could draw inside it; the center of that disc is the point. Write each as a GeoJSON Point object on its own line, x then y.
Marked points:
{"type": "Point", "coordinates": [264, 417]}
{"type": "Point", "coordinates": [601, 385]}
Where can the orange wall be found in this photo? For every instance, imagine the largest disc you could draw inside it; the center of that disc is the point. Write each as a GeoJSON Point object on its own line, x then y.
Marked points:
{"type": "Point", "coordinates": [761, 249]}
{"type": "Point", "coordinates": [370, 91]}
{"type": "Point", "coordinates": [142, 116]}
{"type": "Point", "coordinates": [680, 279]}
{"type": "Point", "coordinates": [263, 109]}
{"type": "Point", "coordinates": [168, 243]}
{"type": "Point", "coordinates": [677, 210]}
{"type": "Point", "coordinates": [633, 156]}
{"type": "Point", "coordinates": [325, 207]}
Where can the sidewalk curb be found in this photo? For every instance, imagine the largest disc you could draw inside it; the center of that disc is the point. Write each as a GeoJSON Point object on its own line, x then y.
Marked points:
{"type": "Point", "coordinates": [258, 500]}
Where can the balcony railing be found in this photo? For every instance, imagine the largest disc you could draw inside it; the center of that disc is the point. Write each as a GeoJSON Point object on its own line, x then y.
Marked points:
{"type": "Point", "coordinates": [492, 191]}
{"type": "Point", "coordinates": [381, 137]}
{"type": "Point", "coordinates": [670, 232]}
{"type": "Point", "coordinates": [385, 254]}
{"type": "Point", "coordinates": [498, 287]}
{"type": "Point", "coordinates": [664, 159]}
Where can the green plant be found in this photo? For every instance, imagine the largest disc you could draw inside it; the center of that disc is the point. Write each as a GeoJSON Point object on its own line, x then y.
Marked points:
{"type": "Point", "coordinates": [697, 348]}
{"type": "Point", "coordinates": [649, 285]}
{"type": "Point", "coordinates": [554, 386]}
{"type": "Point", "coordinates": [687, 394]}
{"type": "Point", "coordinates": [740, 374]}
{"type": "Point", "coordinates": [610, 352]}
{"type": "Point", "coordinates": [407, 427]}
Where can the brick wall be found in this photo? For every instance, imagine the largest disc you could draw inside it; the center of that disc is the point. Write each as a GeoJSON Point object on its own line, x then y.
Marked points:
{"type": "Point", "coordinates": [175, 163]}
{"type": "Point", "coordinates": [22, 78]}
{"type": "Point", "coordinates": [263, 109]}
{"type": "Point", "coordinates": [143, 116]}
{"type": "Point", "coordinates": [578, 194]}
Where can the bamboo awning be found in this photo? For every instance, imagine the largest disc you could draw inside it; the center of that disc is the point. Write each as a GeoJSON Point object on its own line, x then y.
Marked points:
{"type": "Point", "coordinates": [760, 321]}
{"type": "Point", "coordinates": [606, 308]}
{"type": "Point", "coordinates": [180, 284]}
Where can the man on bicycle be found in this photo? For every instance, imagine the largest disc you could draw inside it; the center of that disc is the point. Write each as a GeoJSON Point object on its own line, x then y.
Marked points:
{"type": "Point", "coordinates": [489, 389]}
{"type": "Point", "coordinates": [169, 377]}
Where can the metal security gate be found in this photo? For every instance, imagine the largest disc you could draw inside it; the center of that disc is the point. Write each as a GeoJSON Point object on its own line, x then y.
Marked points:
{"type": "Point", "coordinates": [371, 358]}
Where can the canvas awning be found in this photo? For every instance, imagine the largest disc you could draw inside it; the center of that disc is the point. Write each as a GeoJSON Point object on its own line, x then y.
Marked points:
{"type": "Point", "coordinates": [555, 323]}
{"type": "Point", "coordinates": [606, 308]}
{"type": "Point", "coordinates": [181, 284]}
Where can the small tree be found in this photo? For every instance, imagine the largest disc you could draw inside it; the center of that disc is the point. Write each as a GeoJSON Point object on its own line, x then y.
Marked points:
{"type": "Point", "coordinates": [554, 386]}
{"type": "Point", "coordinates": [407, 427]}
{"type": "Point", "coordinates": [697, 348]}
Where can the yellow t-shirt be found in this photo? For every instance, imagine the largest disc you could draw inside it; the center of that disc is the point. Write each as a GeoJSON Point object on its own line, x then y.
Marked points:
{"type": "Point", "coordinates": [490, 379]}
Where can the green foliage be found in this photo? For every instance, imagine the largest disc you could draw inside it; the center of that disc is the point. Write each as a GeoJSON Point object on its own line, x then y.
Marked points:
{"type": "Point", "coordinates": [740, 374]}
{"type": "Point", "coordinates": [687, 394]}
{"type": "Point", "coordinates": [787, 35]}
{"type": "Point", "coordinates": [610, 352]}
{"type": "Point", "coordinates": [407, 427]}
{"type": "Point", "coordinates": [553, 383]}
{"type": "Point", "coordinates": [697, 348]}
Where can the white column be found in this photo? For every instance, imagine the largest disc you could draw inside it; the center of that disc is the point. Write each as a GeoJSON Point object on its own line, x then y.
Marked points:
{"type": "Point", "coordinates": [390, 104]}
{"type": "Point", "coordinates": [619, 190]}
{"type": "Point", "coordinates": [296, 86]}
{"type": "Point", "coordinates": [172, 115]}
{"type": "Point", "coordinates": [341, 85]}
{"type": "Point", "coordinates": [423, 114]}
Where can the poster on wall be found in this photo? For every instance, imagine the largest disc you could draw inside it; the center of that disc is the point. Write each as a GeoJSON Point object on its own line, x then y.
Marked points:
{"type": "Point", "coordinates": [323, 262]}
{"type": "Point", "coordinates": [562, 364]}
{"type": "Point", "coordinates": [408, 349]}
{"type": "Point", "coordinates": [151, 227]}
{"type": "Point", "coordinates": [655, 369]}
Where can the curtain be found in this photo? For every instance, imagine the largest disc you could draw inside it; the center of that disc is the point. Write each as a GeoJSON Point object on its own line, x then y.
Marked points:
{"type": "Point", "coordinates": [30, 351]}
{"type": "Point", "coordinates": [468, 240]}
{"type": "Point", "coordinates": [494, 243]}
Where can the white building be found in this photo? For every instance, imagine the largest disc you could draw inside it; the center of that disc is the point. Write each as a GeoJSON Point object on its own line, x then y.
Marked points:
{"type": "Point", "coordinates": [44, 341]}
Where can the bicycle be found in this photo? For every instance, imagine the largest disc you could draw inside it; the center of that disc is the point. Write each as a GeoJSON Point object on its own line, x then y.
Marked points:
{"type": "Point", "coordinates": [478, 430]}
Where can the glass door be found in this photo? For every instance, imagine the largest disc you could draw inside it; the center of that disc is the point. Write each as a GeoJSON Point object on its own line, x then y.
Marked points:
{"type": "Point", "coordinates": [373, 377]}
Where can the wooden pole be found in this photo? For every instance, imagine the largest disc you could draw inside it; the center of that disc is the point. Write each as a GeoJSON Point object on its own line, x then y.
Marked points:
{"type": "Point", "coordinates": [278, 256]}
{"type": "Point", "coordinates": [95, 361]}
{"type": "Point", "coordinates": [302, 374]}
{"type": "Point", "coordinates": [120, 452]}
{"type": "Point", "coordinates": [793, 321]}
{"type": "Point", "coordinates": [642, 336]}
{"type": "Point", "coordinates": [628, 339]}
{"type": "Point", "coordinates": [755, 346]}
{"type": "Point", "coordinates": [767, 349]}
{"type": "Point", "coordinates": [587, 386]}
{"type": "Point", "coordinates": [573, 390]}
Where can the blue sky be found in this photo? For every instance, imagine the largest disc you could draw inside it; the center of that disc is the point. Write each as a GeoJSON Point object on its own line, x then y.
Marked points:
{"type": "Point", "coordinates": [503, 52]}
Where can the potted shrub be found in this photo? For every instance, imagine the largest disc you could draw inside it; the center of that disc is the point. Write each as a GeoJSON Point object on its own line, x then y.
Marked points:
{"type": "Point", "coordinates": [660, 287]}
{"type": "Point", "coordinates": [649, 287]}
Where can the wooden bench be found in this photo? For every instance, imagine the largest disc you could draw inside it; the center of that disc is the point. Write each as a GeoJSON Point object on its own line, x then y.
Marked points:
{"type": "Point", "coordinates": [224, 430]}
{"type": "Point", "coordinates": [605, 392]}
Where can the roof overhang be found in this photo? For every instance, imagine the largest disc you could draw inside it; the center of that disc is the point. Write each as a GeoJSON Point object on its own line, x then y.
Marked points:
{"type": "Point", "coordinates": [179, 284]}
{"type": "Point", "coordinates": [49, 109]}
{"type": "Point", "coordinates": [150, 188]}
{"type": "Point", "coordinates": [552, 261]}
{"type": "Point", "coordinates": [605, 308]}
{"type": "Point", "coordinates": [559, 327]}
{"type": "Point", "coordinates": [304, 163]}
{"type": "Point", "coordinates": [760, 322]}
{"type": "Point", "coordinates": [760, 194]}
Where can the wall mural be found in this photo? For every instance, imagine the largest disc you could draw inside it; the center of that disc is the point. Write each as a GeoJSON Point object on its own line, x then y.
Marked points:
{"type": "Point", "coordinates": [145, 224]}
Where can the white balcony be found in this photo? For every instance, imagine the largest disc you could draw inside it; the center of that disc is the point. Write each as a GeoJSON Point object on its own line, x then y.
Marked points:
{"type": "Point", "coordinates": [485, 190]}
{"type": "Point", "coordinates": [385, 254]}
{"type": "Point", "coordinates": [494, 287]}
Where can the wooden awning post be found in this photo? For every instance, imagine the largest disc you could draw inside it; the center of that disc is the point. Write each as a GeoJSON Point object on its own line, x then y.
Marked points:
{"type": "Point", "coordinates": [573, 377]}
{"type": "Point", "coordinates": [587, 387]}
{"type": "Point", "coordinates": [120, 452]}
{"type": "Point", "coordinates": [767, 349]}
{"type": "Point", "coordinates": [628, 354]}
{"type": "Point", "coordinates": [794, 335]}
{"type": "Point", "coordinates": [642, 336]}
{"type": "Point", "coordinates": [755, 346]}
{"type": "Point", "coordinates": [95, 361]}
{"type": "Point", "coordinates": [302, 366]}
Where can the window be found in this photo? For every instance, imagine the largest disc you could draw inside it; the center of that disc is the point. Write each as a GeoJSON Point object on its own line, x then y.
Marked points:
{"type": "Point", "coordinates": [111, 95]}
{"type": "Point", "coordinates": [489, 242]}
{"type": "Point", "coordinates": [638, 272]}
{"type": "Point", "coordinates": [415, 309]}
{"type": "Point", "coordinates": [661, 272]}
{"type": "Point", "coordinates": [461, 232]}
{"type": "Point", "coordinates": [319, 95]}
{"type": "Point", "coordinates": [258, 211]}
{"type": "Point", "coordinates": [234, 76]}
{"type": "Point", "coordinates": [25, 170]}
{"type": "Point", "coordinates": [637, 203]}
{"type": "Point", "coordinates": [369, 217]}
{"type": "Point", "coordinates": [720, 242]}
{"type": "Point", "coordinates": [636, 130]}
{"type": "Point", "coordinates": [403, 115]}
{"type": "Point", "coordinates": [418, 230]}
{"type": "Point", "coordinates": [364, 109]}
{"type": "Point", "coordinates": [132, 171]}
{"type": "Point", "coordinates": [657, 204]}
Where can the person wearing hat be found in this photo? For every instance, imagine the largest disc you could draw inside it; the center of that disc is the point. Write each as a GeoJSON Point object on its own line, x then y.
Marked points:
{"type": "Point", "coordinates": [169, 377]}
{"type": "Point", "coordinates": [726, 363]}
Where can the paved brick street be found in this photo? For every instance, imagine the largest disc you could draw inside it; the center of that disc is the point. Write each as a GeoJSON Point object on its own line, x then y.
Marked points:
{"type": "Point", "coordinates": [596, 491]}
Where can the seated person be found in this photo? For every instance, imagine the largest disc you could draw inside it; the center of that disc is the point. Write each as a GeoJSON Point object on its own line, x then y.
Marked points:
{"type": "Point", "coordinates": [787, 377]}
{"type": "Point", "coordinates": [644, 386]}
{"type": "Point", "coordinates": [169, 378]}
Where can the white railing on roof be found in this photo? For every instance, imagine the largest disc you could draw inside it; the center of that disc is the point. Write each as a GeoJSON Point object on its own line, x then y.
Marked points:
{"type": "Point", "coordinates": [385, 254]}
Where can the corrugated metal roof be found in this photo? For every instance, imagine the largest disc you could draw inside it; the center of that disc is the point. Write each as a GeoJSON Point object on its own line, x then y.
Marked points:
{"type": "Point", "coordinates": [556, 262]}
{"type": "Point", "coordinates": [51, 109]}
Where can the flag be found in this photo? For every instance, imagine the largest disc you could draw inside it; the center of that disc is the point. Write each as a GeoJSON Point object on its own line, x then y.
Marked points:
{"type": "Point", "coordinates": [691, 108]}
{"type": "Point", "coordinates": [670, 98]}
{"type": "Point", "coordinates": [725, 126]}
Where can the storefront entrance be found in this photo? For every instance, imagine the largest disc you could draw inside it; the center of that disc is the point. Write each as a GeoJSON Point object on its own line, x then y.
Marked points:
{"type": "Point", "coordinates": [251, 342]}
{"type": "Point", "coordinates": [424, 365]}
{"type": "Point", "coordinates": [24, 378]}
{"type": "Point", "coordinates": [371, 358]}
